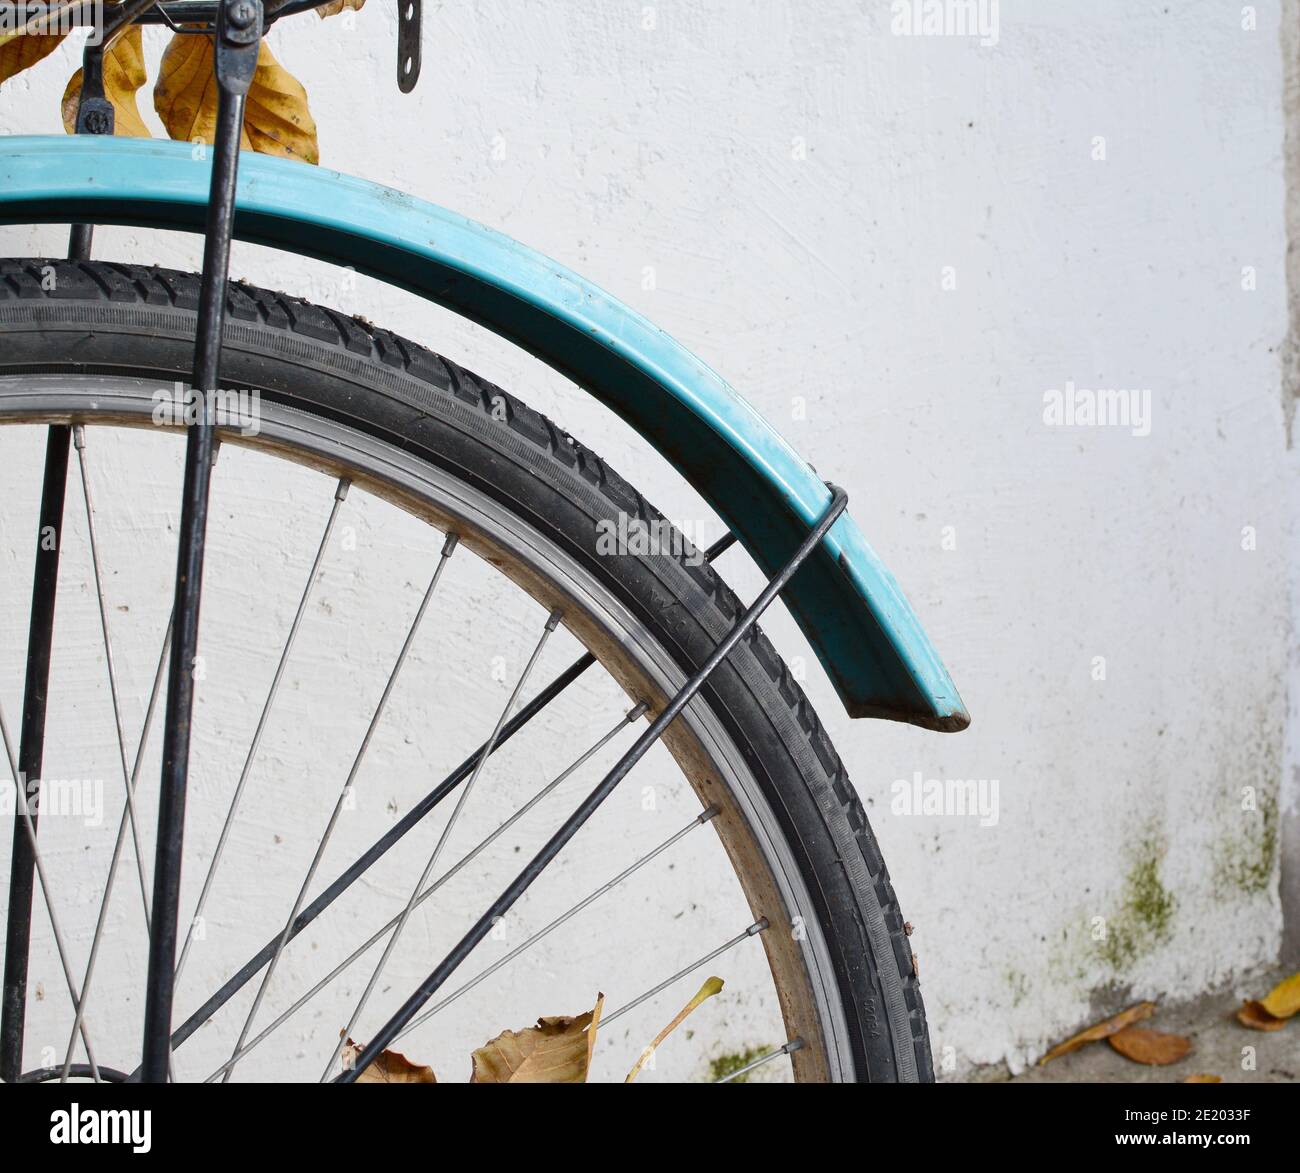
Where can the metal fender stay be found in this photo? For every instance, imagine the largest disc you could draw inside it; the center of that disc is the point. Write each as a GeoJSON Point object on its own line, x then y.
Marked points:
{"type": "Point", "coordinates": [844, 599]}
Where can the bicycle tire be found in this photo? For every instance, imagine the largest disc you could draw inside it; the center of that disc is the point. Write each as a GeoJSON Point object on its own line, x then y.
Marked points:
{"type": "Point", "coordinates": [98, 318]}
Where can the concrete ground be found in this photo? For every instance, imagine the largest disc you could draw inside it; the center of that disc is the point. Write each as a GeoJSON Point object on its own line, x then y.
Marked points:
{"type": "Point", "coordinates": [1219, 1047]}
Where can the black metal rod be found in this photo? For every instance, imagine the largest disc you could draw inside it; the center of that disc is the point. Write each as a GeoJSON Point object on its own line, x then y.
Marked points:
{"type": "Point", "coordinates": [534, 868]}
{"type": "Point", "coordinates": [80, 238]}
{"type": "Point", "coordinates": [189, 579]}
{"type": "Point", "coordinates": [375, 852]}
{"type": "Point", "coordinates": [126, 13]}
{"type": "Point", "coordinates": [381, 846]}
{"type": "Point", "coordinates": [31, 752]}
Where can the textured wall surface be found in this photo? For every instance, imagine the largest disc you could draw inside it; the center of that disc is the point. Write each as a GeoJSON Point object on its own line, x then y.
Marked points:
{"type": "Point", "coordinates": [898, 247]}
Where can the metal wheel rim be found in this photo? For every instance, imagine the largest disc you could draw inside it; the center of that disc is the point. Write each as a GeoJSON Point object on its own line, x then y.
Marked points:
{"type": "Point", "coordinates": [412, 484]}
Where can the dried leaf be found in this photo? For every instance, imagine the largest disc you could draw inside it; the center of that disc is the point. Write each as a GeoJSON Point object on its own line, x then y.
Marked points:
{"type": "Point", "coordinates": [711, 986]}
{"type": "Point", "coordinates": [600, 998]}
{"type": "Point", "coordinates": [124, 74]}
{"type": "Point", "coordinates": [334, 7]}
{"type": "Point", "coordinates": [1151, 1047]}
{"type": "Point", "coordinates": [1102, 1030]}
{"type": "Point", "coordinates": [25, 46]}
{"type": "Point", "coordinates": [1254, 1016]}
{"type": "Point", "coordinates": [277, 120]}
{"type": "Point", "coordinates": [1202, 1077]}
{"type": "Point", "coordinates": [556, 1050]}
{"type": "Point", "coordinates": [19, 51]}
{"type": "Point", "coordinates": [390, 1067]}
{"type": "Point", "coordinates": [1283, 1000]}
{"type": "Point", "coordinates": [186, 94]}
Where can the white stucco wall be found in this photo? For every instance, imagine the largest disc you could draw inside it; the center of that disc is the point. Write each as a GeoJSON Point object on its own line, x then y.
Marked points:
{"type": "Point", "coordinates": [894, 246]}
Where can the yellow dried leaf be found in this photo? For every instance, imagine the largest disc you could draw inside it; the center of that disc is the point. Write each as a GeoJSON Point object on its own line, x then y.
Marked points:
{"type": "Point", "coordinates": [1150, 1047]}
{"type": "Point", "coordinates": [711, 986]}
{"type": "Point", "coordinates": [186, 94]}
{"type": "Point", "coordinates": [25, 46]}
{"type": "Point", "coordinates": [124, 74]}
{"type": "Point", "coordinates": [596, 1010]}
{"type": "Point", "coordinates": [1283, 1000]}
{"type": "Point", "coordinates": [277, 120]}
{"type": "Point", "coordinates": [390, 1067]}
{"type": "Point", "coordinates": [556, 1050]}
{"type": "Point", "coordinates": [1254, 1016]}
{"type": "Point", "coordinates": [1102, 1030]}
{"type": "Point", "coordinates": [19, 51]}
{"type": "Point", "coordinates": [1202, 1077]}
{"type": "Point", "coordinates": [334, 7]}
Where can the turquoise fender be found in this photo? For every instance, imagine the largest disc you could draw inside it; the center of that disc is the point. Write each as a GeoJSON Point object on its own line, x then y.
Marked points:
{"type": "Point", "coordinates": [847, 603]}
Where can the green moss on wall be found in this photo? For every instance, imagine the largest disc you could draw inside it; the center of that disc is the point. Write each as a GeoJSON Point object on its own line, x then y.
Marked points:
{"type": "Point", "coordinates": [724, 1065]}
{"type": "Point", "coordinates": [1146, 914]}
{"type": "Point", "coordinates": [1245, 861]}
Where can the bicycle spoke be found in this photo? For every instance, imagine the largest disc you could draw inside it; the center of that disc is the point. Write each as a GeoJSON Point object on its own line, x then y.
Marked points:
{"type": "Point", "coordinates": [79, 442]}
{"type": "Point", "coordinates": [385, 842]}
{"type": "Point", "coordinates": [130, 777]}
{"type": "Point", "coordinates": [31, 752]}
{"type": "Point", "coordinates": [448, 547]}
{"type": "Point", "coordinates": [703, 817]}
{"type": "Point", "coordinates": [340, 494]}
{"type": "Point", "coordinates": [552, 622]}
{"type": "Point", "coordinates": [521, 883]}
{"type": "Point", "coordinates": [377, 850]}
{"type": "Point", "coordinates": [759, 926]}
{"type": "Point", "coordinates": [31, 749]}
{"type": "Point", "coordinates": [21, 799]}
{"type": "Point", "coordinates": [789, 1049]}
{"type": "Point", "coordinates": [303, 911]}
{"type": "Point", "coordinates": [102, 918]}
{"type": "Point", "coordinates": [464, 860]}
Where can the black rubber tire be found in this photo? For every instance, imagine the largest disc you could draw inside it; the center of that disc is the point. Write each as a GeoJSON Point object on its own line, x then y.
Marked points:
{"type": "Point", "coordinates": [100, 318]}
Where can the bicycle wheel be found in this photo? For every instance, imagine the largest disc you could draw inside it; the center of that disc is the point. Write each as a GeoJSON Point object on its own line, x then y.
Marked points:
{"type": "Point", "coordinates": [355, 412]}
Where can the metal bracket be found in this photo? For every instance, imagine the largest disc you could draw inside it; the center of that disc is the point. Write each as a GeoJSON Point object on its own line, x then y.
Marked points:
{"type": "Point", "coordinates": [239, 36]}
{"type": "Point", "coordinates": [95, 113]}
{"type": "Point", "coordinates": [408, 44]}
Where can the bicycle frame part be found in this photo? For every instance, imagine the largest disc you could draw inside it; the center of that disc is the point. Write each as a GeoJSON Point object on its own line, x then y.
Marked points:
{"type": "Point", "coordinates": [607, 785]}
{"type": "Point", "coordinates": [95, 115]}
{"type": "Point", "coordinates": [239, 34]}
{"type": "Point", "coordinates": [844, 599]}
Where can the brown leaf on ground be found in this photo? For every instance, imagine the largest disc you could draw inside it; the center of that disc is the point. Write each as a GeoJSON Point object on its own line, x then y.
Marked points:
{"type": "Point", "coordinates": [1283, 1000]}
{"type": "Point", "coordinates": [390, 1067]}
{"type": "Point", "coordinates": [1102, 1030]}
{"type": "Point", "coordinates": [1254, 1016]}
{"type": "Point", "coordinates": [1153, 1048]}
{"type": "Point", "coordinates": [124, 74]}
{"type": "Point", "coordinates": [556, 1050]}
{"type": "Point", "coordinates": [1202, 1077]}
